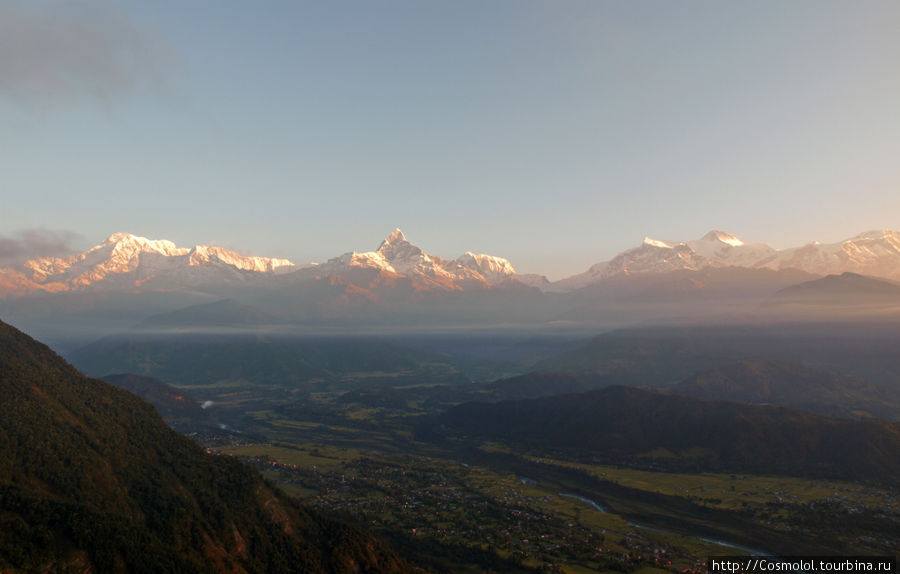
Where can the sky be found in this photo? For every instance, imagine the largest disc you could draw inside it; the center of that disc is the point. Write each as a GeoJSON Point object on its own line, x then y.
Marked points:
{"type": "Point", "coordinates": [555, 133]}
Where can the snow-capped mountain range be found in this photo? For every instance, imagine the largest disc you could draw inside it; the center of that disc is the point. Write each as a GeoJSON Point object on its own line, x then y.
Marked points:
{"type": "Point", "coordinates": [125, 261]}
{"type": "Point", "coordinates": [875, 253]}
{"type": "Point", "coordinates": [397, 255]}
{"type": "Point", "coordinates": [128, 262]}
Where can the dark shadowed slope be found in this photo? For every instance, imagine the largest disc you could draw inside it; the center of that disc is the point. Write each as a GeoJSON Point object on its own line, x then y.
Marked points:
{"type": "Point", "coordinates": [184, 360]}
{"type": "Point", "coordinates": [92, 480]}
{"type": "Point", "coordinates": [839, 290]}
{"type": "Point", "coordinates": [538, 384]}
{"type": "Point", "coordinates": [790, 385]}
{"type": "Point", "coordinates": [226, 313]}
{"type": "Point", "coordinates": [635, 426]}
{"type": "Point", "coordinates": [660, 356]}
{"type": "Point", "coordinates": [175, 406]}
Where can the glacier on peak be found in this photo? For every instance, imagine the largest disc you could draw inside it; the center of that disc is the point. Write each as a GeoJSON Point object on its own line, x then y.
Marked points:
{"type": "Point", "coordinates": [876, 234]}
{"type": "Point", "coordinates": [210, 254]}
{"type": "Point", "coordinates": [722, 248]}
{"type": "Point", "coordinates": [126, 260]}
{"type": "Point", "coordinates": [483, 260]}
{"type": "Point", "coordinates": [494, 269]}
{"type": "Point", "coordinates": [397, 255]}
{"type": "Point", "coordinates": [721, 236]}
{"type": "Point", "coordinates": [875, 252]}
{"type": "Point", "coordinates": [121, 236]}
{"type": "Point", "coordinates": [716, 248]}
{"type": "Point", "coordinates": [398, 251]}
{"type": "Point", "coordinates": [657, 243]}
{"type": "Point", "coordinates": [127, 244]}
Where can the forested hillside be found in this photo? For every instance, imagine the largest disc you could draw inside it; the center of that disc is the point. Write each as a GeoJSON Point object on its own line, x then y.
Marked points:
{"type": "Point", "coordinates": [92, 480]}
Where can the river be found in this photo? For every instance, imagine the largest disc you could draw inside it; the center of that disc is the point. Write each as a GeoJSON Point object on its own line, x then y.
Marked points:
{"type": "Point", "coordinates": [601, 508]}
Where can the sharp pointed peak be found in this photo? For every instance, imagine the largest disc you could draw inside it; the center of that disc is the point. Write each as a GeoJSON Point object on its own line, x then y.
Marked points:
{"type": "Point", "coordinates": [395, 236]}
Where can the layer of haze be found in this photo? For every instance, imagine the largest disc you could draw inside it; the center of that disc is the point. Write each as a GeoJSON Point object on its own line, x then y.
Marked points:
{"type": "Point", "coordinates": [555, 134]}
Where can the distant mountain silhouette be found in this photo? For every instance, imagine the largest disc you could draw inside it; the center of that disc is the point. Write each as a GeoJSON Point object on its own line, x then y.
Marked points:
{"type": "Point", "coordinates": [791, 385]}
{"type": "Point", "coordinates": [661, 356]}
{"type": "Point", "coordinates": [839, 290]}
{"type": "Point", "coordinates": [224, 313]}
{"type": "Point", "coordinates": [537, 384]}
{"type": "Point", "coordinates": [200, 359]}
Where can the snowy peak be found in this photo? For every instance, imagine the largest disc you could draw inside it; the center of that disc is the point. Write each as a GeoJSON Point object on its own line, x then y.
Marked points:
{"type": "Point", "coordinates": [210, 255]}
{"type": "Point", "coordinates": [715, 249]}
{"type": "Point", "coordinates": [875, 253]}
{"type": "Point", "coordinates": [877, 234]}
{"type": "Point", "coordinates": [127, 248]}
{"type": "Point", "coordinates": [397, 255]}
{"type": "Point", "coordinates": [400, 254]}
{"type": "Point", "coordinates": [119, 253]}
{"type": "Point", "coordinates": [128, 245]}
{"type": "Point", "coordinates": [395, 237]}
{"type": "Point", "coordinates": [725, 249]}
{"type": "Point", "coordinates": [129, 262]}
{"type": "Point", "coordinates": [722, 237]}
{"type": "Point", "coordinates": [126, 260]}
{"type": "Point", "coordinates": [657, 243]}
{"type": "Point", "coordinates": [654, 256]}
{"type": "Point", "coordinates": [125, 242]}
{"type": "Point", "coordinates": [494, 269]}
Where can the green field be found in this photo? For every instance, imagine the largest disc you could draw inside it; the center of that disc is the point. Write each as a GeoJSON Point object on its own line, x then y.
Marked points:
{"type": "Point", "coordinates": [449, 506]}
{"type": "Point", "coordinates": [735, 492]}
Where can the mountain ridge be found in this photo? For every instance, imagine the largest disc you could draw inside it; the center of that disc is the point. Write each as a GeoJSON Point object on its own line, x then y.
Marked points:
{"type": "Point", "coordinates": [397, 255]}
{"type": "Point", "coordinates": [848, 288]}
{"type": "Point", "coordinates": [92, 480]}
{"type": "Point", "coordinates": [875, 252]}
{"type": "Point", "coordinates": [766, 381]}
{"type": "Point", "coordinates": [128, 262]}
{"type": "Point", "coordinates": [617, 425]}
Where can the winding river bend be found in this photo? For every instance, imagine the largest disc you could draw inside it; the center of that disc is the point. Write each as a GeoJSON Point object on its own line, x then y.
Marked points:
{"type": "Point", "coordinates": [601, 508]}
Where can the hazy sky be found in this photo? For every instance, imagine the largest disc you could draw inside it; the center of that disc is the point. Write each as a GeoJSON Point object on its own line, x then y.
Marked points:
{"type": "Point", "coordinates": [553, 133]}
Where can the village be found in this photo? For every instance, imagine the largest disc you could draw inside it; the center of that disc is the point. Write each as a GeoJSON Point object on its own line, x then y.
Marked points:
{"type": "Point", "coordinates": [454, 506]}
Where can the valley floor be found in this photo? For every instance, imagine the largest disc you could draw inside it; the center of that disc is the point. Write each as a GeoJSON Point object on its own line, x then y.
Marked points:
{"type": "Point", "coordinates": [459, 506]}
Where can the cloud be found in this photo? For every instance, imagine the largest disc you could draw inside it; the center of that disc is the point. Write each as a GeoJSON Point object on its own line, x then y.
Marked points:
{"type": "Point", "coordinates": [54, 52]}
{"type": "Point", "coordinates": [30, 243]}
